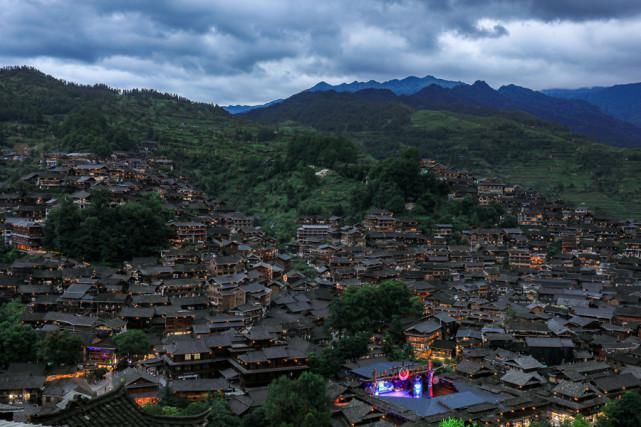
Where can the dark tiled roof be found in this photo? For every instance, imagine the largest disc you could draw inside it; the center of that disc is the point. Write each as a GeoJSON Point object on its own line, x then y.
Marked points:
{"type": "Point", "coordinates": [617, 382]}
{"type": "Point", "coordinates": [199, 385]}
{"type": "Point", "coordinates": [10, 381]}
{"type": "Point", "coordinates": [426, 327]}
{"type": "Point", "coordinates": [114, 409]}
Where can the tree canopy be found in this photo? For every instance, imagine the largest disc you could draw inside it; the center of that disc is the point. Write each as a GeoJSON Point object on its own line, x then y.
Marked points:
{"type": "Point", "coordinates": [300, 402]}
{"type": "Point", "coordinates": [60, 348]}
{"type": "Point", "coordinates": [370, 307]}
{"type": "Point", "coordinates": [624, 412]}
{"type": "Point", "coordinates": [20, 343]}
{"type": "Point", "coordinates": [102, 232]}
{"type": "Point", "coordinates": [17, 340]}
{"type": "Point", "coordinates": [357, 314]}
{"type": "Point", "coordinates": [134, 342]}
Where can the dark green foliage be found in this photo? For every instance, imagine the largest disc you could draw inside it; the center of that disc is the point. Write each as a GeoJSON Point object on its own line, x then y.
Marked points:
{"type": "Point", "coordinates": [329, 360]}
{"type": "Point", "coordinates": [625, 412]}
{"type": "Point", "coordinates": [326, 362]}
{"type": "Point", "coordinates": [17, 341]}
{"type": "Point", "coordinates": [554, 249]}
{"type": "Point", "coordinates": [220, 415]}
{"type": "Point", "coordinates": [88, 129]}
{"type": "Point", "coordinates": [300, 402]}
{"type": "Point", "coordinates": [325, 151]}
{"type": "Point", "coordinates": [255, 418]}
{"type": "Point", "coordinates": [59, 348]}
{"type": "Point", "coordinates": [9, 254]}
{"type": "Point", "coordinates": [359, 313]}
{"type": "Point", "coordinates": [394, 181]}
{"type": "Point", "coordinates": [371, 307]}
{"type": "Point", "coordinates": [41, 110]}
{"type": "Point", "coordinates": [102, 232]}
{"type": "Point", "coordinates": [394, 345]}
{"type": "Point", "coordinates": [132, 343]}
{"type": "Point", "coordinates": [338, 112]}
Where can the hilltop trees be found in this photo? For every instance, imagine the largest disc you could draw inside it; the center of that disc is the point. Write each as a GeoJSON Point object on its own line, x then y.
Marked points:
{"type": "Point", "coordinates": [88, 129]}
{"type": "Point", "coordinates": [325, 151]}
{"type": "Point", "coordinates": [106, 233]}
{"type": "Point", "coordinates": [396, 180]}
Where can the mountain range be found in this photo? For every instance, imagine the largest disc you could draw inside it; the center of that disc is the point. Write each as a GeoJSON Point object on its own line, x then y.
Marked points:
{"type": "Point", "coordinates": [406, 86]}
{"type": "Point", "coordinates": [332, 110]}
{"type": "Point", "coordinates": [620, 101]}
{"type": "Point", "coordinates": [240, 109]}
{"type": "Point", "coordinates": [252, 166]}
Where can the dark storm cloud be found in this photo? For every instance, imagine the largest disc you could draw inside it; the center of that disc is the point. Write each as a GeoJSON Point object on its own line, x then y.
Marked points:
{"type": "Point", "coordinates": [579, 10]}
{"type": "Point", "coordinates": [252, 51]}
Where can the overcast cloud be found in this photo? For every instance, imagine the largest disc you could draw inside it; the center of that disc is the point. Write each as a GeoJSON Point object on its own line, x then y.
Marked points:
{"type": "Point", "coordinates": [242, 51]}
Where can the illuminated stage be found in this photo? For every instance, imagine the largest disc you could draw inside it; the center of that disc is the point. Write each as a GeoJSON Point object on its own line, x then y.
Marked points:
{"type": "Point", "coordinates": [419, 388]}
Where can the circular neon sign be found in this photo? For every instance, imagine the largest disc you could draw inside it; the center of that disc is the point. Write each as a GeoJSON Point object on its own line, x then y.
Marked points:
{"type": "Point", "coordinates": [403, 374]}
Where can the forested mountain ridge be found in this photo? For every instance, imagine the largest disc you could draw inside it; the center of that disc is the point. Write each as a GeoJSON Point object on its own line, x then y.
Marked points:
{"type": "Point", "coordinates": [479, 98]}
{"type": "Point", "coordinates": [282, 170]}
{"type": "Point", "coordinates": [276, 175]}
{"type": "Point", "coordinates": [472, 127]}
{"type": "Point", "coordinates": [40, 109]}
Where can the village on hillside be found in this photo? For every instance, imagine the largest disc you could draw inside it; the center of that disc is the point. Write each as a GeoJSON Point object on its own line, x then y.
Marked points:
{"type": "Point", "coordinates": [536, 321]}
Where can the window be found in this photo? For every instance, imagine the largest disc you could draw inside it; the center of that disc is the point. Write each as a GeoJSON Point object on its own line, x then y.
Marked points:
{"type": "Point", "coordinates": [196, 356]}
{"type": "Point", "coordinates": [187, 356]}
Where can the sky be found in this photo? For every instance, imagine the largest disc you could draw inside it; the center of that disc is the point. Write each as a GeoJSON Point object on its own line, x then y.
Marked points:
{"type": "Point", "coordinates": [253, 51]}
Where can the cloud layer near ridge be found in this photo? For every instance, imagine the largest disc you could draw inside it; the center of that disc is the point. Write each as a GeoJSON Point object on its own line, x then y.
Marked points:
{"type": "Point", "coordinates": [245, 51]}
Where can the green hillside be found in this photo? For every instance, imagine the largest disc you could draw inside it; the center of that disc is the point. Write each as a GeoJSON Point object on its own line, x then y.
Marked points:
{"type": "Point", "coordinates": [280, 172]}
{"type": "Point", "coordinates": [520, 150]}
{"type": "Point", "coordinates": [277, 175]}
{"type": "Point", "coordinates": [535, 155]}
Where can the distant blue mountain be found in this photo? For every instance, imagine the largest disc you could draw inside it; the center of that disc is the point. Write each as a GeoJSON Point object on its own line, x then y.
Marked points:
{"type": "Point", "coordinates": [407, 86]}
{"type": "Point", "coordinates": [240, 109]}
{"type": "Point", "coordinates": [380, 109]}
{"type": "Point", "coordinates": [620, 101]}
